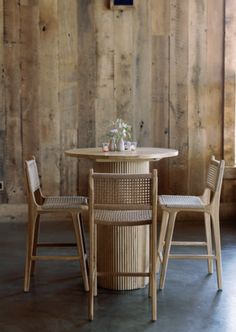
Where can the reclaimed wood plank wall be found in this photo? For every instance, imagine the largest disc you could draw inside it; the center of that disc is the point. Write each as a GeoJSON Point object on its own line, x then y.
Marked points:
{"type": "Point", "coordinates": [229, 193]}
{"type": "Point", "coordinates": [69, 67]}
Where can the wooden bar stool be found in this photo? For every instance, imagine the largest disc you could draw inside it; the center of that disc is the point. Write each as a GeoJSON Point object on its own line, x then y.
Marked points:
{"type": "Point", "coordinates": [39, 204]}
{"type": "Point", "coordinates": [208, 204]}
{"type": "Point", "coordinates": [122, 200]}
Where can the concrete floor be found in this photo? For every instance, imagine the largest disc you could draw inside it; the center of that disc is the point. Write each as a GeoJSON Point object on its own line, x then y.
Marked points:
{"type": "Point", "coordinates": [57, 302]}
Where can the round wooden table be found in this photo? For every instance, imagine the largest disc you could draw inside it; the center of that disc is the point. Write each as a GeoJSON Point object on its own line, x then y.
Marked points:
{"type": "Point", "coordinates": [122, 249]}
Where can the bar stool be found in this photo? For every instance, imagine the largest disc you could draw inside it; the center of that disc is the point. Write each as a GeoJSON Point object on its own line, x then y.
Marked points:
{"type": "Point", "coordinates": [39, 204]}
{"type": "Point", "coordinates": [122, 200]}
{"type": "Point", "coordinates": [208, 204]}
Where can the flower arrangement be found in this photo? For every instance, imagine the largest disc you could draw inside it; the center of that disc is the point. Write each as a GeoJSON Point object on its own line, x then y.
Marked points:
{"type": "Point", "coordinates": [120, 135]}
{"type": "Point", "coordinates": [120, 130]}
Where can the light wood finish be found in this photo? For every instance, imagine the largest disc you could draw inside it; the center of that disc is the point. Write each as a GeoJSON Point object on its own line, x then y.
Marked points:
{"type": "Point", "coordinates": [124, 201]}
{"type": "Point", "coordinates": [208, 204]}
{"type": "Point", "coordinates": [68, 58]}
{"type": "Point", "coordinates": [230, 83]}
{"type": "Point", "coordinates": [39, 204]}
{"type": "Point", "coordinates": [141, 154]}
{"type": "Point", "coordinates": [71, 67]}
{"type": "Point", "coordinates": [111, 250]}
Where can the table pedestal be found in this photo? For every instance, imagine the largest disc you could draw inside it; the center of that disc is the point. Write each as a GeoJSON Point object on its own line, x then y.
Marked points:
{"type": "Point", "coordinates": [123, 249]}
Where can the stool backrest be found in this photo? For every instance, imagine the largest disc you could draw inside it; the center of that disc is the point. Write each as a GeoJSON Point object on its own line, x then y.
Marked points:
{"type": "Point", "coordinates": [215, 178]}
{"type": "Point", "coordinates": [32, 181]}
{"type": "Point", "coordinates": [32, 175]}
{"type": "Point", "coordinates": [123, 191]}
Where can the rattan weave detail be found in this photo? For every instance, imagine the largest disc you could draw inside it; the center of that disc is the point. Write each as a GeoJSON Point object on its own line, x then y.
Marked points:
{"type": "Point", "coordinates": [183, 202]}
{"type": "Point", "coordinates": [33, 175]}
{"type": "Point", "coordinates": [212, 176]}
{"type": "Point", "coordinates": [110, 216]}
{"type": "Point", "coordinates": [122, 190]}
{"type": "Point", "coordinates": [64, 202]}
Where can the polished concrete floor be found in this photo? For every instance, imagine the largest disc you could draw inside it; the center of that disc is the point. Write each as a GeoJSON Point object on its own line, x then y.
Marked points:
{"type": "Point", "coordinates": [57, 302]}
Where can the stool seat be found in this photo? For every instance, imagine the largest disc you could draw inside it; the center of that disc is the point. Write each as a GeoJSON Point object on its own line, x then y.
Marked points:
{"type": "Point", "coordinates": [65, 202]}
{"type": "Point", "coordinates": [121, 216]}
{"type": "Point", "coordinates": [181, 202]}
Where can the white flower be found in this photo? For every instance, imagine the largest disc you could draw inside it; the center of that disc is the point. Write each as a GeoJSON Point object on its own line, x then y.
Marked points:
{"type": "Point", "coordinates": [120, 129]}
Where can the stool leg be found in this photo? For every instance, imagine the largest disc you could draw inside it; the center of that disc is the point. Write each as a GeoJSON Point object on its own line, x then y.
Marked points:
{"type": "Point", "coordinates": [164, 224]}
{"type": "Point", "coordinates": [169, 235]}
{"type": "Point", "coordinates": [153, 271]}
{"type": "Point", "coordinates": [150, 261]}
{"type": "Point", "coordinates": [80, 247]}
{"type": "Point", "coordinates": [83, 238]}
{"type": "Point", "coordinates": [91, 271]}
{"type": "Point", "coordinates": [30, 247]}
{"type": "Point", "coordinates": [95, 261]}
{"type": "Point", "coordinates": [216, 232]}
{"type": "Point", "coordinates": [36, 238]}
{"type": "Point", "coordinates": [207, 218]}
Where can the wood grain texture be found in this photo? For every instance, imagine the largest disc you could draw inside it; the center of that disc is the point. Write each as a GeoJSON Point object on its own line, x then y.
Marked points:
{"type": "Point", "coordinates": [49, 118]}
{"type": "Point", "coordinates": [12, 83]}
{"type": "Point", "coordinates": [160, 17]}
{"type": "Point", "coordinates": [160, 85]}
{"type": "Point", "coordinates": [123, 64]}
{"type": "Point", "coordinates": [142, 74]}
{"type": "Point", "coordinates": [230, 82]}
{"type": "Point", "coordinates": [105, 110]}
{"type": "Point", "coordinates": [214, 77]}
{"type": "Point", "coordinates": [68, 91]}
{"type": "Point", "coordinates": [2, 107]}
{"type": "Point", "coordinates": [197, 111]}
{"type": "Point", "coordinates": [160, 90]}
{"type": "Point", "coordinates": [178, 94]}
{"type": "Point", "coordinates": [87, 75]}
{"type": "Point", "coordinates": [29, 62]}
{"type": "Point", "coordinates": [71, 67]}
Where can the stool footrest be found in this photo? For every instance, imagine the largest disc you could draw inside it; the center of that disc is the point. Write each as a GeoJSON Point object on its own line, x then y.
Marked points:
{"type": "Point", "coordinates": [188, 243]}
{"type": "Point", "coordinates": [189, 256]}
{"type": "Point", "coordinates": [65, 258]}
{"type": "Point", "coordinates": [49, 244]}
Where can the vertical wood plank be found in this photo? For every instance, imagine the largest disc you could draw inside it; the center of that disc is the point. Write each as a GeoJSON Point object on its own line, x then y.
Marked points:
{"type": "Point", "coordinates": [12, 78]}
{"type": "Point", "coordinates": [68, 92]}
{"type": "Point", "coordinates": [123, 63]}
{"type": "Point", "coordinates": [230, 83]}
{"type": "Point", "coordinates": [178, 95]}
{"type": "Point", "coordinates": [160, 85]}
{"type": "Point", "coordinates": [49, 116]}
{"type": "Point", "coordinates": [160, 90]}
{"type": "Point", "coordinates": [215, 88]}
{"type": "Point", "coordinates": [87, 70]}
{"type": "Point", "coordinates": [229, 149]}
{"type": "Point", "coordinates": [143, 116]}
{"type": "Point", "coordinates": [2, 106]}
{"type": "Point", "coordinates": [105, 110]}
{"type": "Point", "coordinates": [29, 64]}
{"type": "Point", "coordinates": [197, 111]}
{"type": "Point", "coordinates": [160, 16]}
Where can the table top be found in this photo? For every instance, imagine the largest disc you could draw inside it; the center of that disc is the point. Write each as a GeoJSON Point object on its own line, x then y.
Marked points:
{"type": "Point", "coordinates": [144, 153]}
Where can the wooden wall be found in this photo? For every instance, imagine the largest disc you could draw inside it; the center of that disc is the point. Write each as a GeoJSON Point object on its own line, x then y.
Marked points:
{"type": "Point", "coordinates": [69, 67]}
